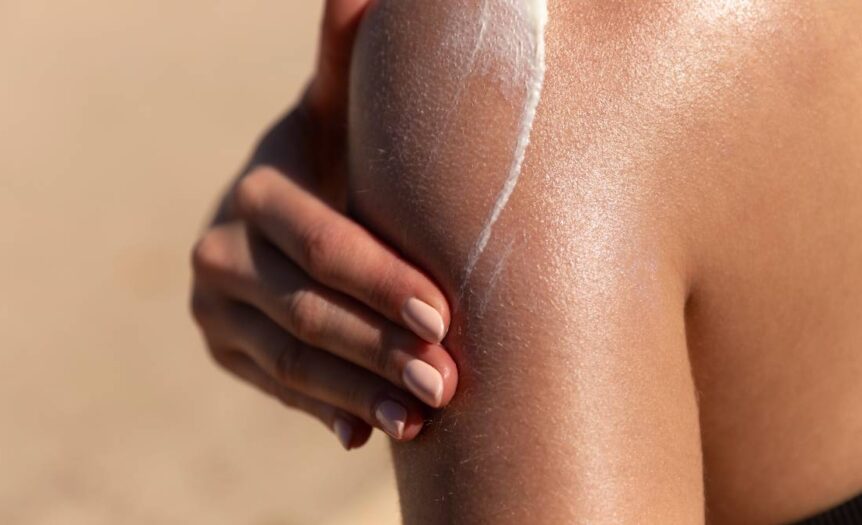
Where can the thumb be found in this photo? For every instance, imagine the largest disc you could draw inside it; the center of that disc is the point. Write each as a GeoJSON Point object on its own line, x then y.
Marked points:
{"type": "Point", "coordinates": [327, 94]}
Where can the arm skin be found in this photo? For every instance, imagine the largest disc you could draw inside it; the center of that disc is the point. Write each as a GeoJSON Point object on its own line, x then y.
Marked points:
{"type": "Point", "coordinates": [576, 401]}
{"type": "Point", "coordinates": [691, 192]}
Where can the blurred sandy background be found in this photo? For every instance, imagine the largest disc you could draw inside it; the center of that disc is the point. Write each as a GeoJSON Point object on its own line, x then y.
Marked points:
{"type": "Point", "coordinates": [119, 124]}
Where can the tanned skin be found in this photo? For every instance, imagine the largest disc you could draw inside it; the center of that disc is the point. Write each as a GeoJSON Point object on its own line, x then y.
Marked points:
{"type": "Point", "coordinates": [666, 326]}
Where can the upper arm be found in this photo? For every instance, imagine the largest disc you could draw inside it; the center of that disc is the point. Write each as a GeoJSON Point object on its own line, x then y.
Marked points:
{"type": "Point", "coordinates": [576, 401]}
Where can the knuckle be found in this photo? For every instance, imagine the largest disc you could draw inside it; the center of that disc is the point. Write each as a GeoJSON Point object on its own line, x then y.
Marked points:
{"type": "Point", "coordinates": [221, 357]}
{"type": "Point", "coordinates": [359, 397]}
{"type": "Point", "coordinates": [210, 254]}
{"type": "Point", "coordinates": [385, 288]}
{"type": "Point", "coordinates": [378, 356]}
{"type": "Point", "coordinates": [224, 359]}
{"type": "Point", "coordinates": [289, 368]}
{"type": "Point", "coordinates": [306, 314]}
{"type": "Point", "coordinates": [318, 246]}
{"type": "Point", "coordinates": [202, 309]}
{"type": "Point", "coordinates": [287, 397]}
{"type": "Point", "coordinates": [250, 194]}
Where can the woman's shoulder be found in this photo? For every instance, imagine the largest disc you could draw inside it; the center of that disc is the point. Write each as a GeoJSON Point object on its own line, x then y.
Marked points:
{"type": "Point", "coordinates": [717, 107]}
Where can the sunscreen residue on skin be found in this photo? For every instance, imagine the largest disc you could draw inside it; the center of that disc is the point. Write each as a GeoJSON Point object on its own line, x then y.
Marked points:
{"type": "Point", "coordinates": [515, 32]}
{"type": "Point", "coordinates": [456, 86]}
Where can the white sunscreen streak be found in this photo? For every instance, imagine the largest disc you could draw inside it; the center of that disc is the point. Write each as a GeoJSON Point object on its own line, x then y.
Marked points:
{"type": "Point", "coordinates": [495, 277]}
{"type": "Point", "coordinates": [471, 64]}
{"type": "Point", "coordinates": [533, 13]}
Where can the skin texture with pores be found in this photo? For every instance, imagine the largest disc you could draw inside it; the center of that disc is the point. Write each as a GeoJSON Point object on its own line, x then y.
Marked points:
{"type": "Point", "coordinates": [664, 326]}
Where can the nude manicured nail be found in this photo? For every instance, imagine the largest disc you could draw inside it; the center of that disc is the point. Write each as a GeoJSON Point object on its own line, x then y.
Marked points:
{"type": "Point", "coordinates": [424, 320]}
{"type": "Point", "coordinates": [424, 381]}
{"type": "Point", "coordinates": [344, 431]}
{"type": "Point", "coordinates": [392, 417]}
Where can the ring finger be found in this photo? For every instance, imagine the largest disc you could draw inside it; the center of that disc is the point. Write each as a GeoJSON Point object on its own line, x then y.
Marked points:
{"type": "Point", "coordinates": [322, 376]}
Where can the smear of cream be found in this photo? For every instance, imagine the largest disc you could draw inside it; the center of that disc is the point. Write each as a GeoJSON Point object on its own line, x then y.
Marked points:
{"type": "Point", "coordinates": [484, 19]}
{"type": "Point", "coordinates": [490, 288]}
{"type": "Point", "coordinates": [531, 20]}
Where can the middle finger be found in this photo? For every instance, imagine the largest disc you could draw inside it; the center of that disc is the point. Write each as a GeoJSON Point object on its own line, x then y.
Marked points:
{"type": "Point", "coordinates": [257, 273]}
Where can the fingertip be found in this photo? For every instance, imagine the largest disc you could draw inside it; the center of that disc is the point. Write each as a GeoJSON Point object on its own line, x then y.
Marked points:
{"type": "Point", "coordinates": [424, 320]}
{"type": "Point", "coordinates": [400, 419]}
{"type": "Point", "coordinates": [361, 435]}
{"type": "Point", "coordinates": [392, 417]}
{"type": "Point", "coordinates": [352, 433]}
{"type": "Point", "coordinates": [343, 431]}
{"type": "Point", "coordinates": [449, 371]}
{"type": "Point", "coordinates": [414, 425]}
{"type": "Point", "coordinates": [438, 358]}
{"type": "Point", "coordinates": [439, 302]}
{"type": "Point", "coordinates": [424, 381]}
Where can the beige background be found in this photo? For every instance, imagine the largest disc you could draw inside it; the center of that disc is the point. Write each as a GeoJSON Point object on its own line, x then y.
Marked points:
{"type": "Point", "coordinates": [119, 124]}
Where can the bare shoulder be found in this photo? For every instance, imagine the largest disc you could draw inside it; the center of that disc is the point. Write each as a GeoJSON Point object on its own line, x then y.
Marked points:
{"type": "Point", "coordinates": [568, 304]}
{"type": "Point", "coordinates": [704, 97]}
{"type": "Point", "coordinates": [687, 205]}
{"type": "Point", "coordinates": [736, 126]}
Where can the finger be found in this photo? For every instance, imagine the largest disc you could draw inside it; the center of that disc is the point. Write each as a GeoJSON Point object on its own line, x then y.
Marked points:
{"type": "Point", "coordinates": [328, 91]}
{"type": "Point", "coordinates": [250, 270]}
{"type": "Point", "coordinates": [341, 254]}
{"type": "Point", "coordinates": [351, 431]}
{"type": "Point", "coordinates": [322, 376]}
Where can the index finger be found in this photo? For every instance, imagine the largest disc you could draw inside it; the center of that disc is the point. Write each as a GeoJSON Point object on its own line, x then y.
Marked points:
{"type": "Point", "coordinates": [341, 254]}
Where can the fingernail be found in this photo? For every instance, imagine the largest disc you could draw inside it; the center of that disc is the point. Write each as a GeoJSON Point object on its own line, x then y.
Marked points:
{"type": "Point", "coordinates": [392, 418]}
{"type": "Point", "coordinates": [424, 381]}
{"type": "Point", "coordinates": [424, 320]}
{"type": "Point", "coordinates": [344, 431]}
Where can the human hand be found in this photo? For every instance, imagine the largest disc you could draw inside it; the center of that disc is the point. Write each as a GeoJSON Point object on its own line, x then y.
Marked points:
{"type": "Point", "coordinates": [299, 300]}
